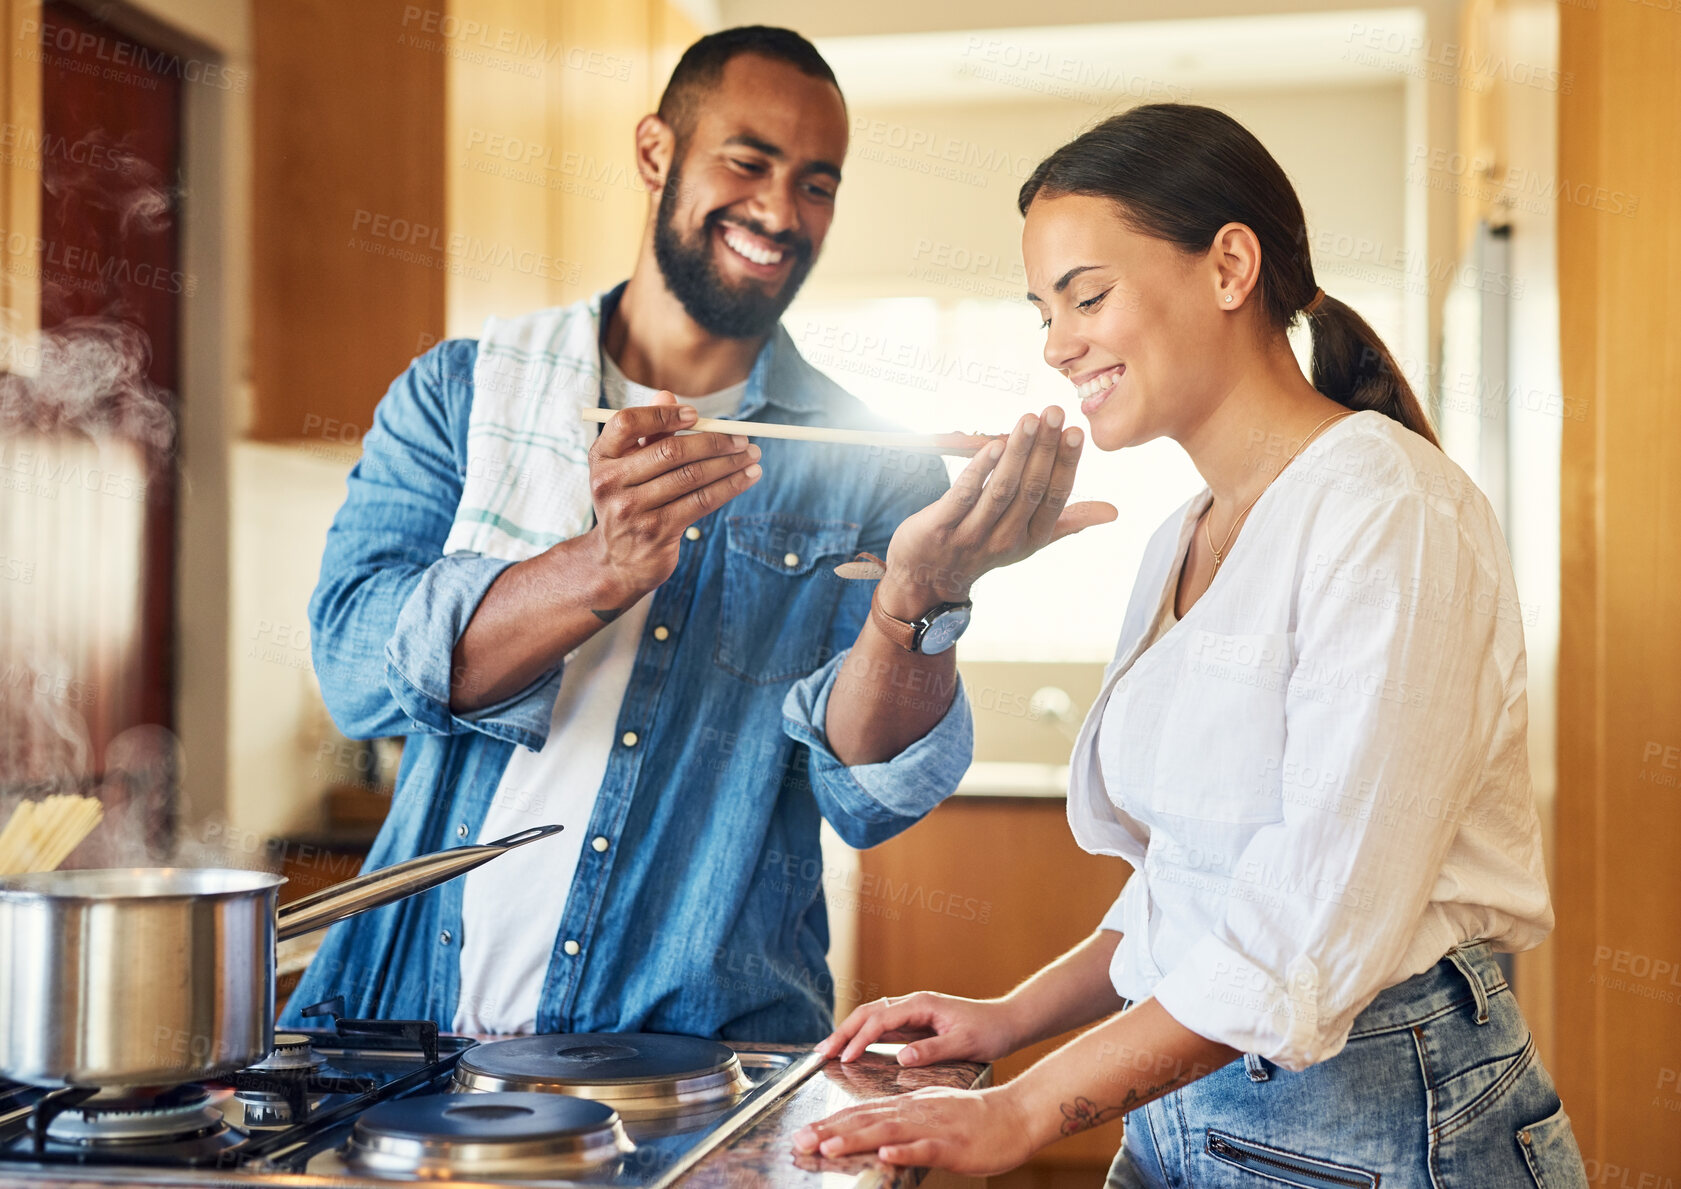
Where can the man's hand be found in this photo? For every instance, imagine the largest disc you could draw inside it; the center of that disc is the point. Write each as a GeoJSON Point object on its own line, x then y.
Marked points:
{"type": "Point", "coordinates": [1008, 503]}
{"type": "Point", "coordinates": [648, 484]}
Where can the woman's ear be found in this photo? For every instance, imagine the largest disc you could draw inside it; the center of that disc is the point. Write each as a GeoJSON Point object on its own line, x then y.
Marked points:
{"type": "Point", "coordinates": [1235, 265]}
{"type": "Point", "coordinates": [656, 144]}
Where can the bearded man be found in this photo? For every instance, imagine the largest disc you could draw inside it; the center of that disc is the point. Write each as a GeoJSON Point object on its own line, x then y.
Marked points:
{"type": "Point", "coordinates": [637, 632]}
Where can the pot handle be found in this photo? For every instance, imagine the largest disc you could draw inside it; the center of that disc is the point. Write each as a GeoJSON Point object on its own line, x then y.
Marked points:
{"type": "Point", "coordinates": [390, 884]}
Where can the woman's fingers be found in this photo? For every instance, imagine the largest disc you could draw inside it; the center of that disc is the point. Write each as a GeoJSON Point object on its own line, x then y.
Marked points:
{"type": "Point", "coordinates": [1059, 485]}
{"type": "Point", "coordinates": [1004, 484]}
{"type": "Point", "coordinates": [831, 1136]}
{"type": "Point", "coordinates": [857, 1019]}
{"type": "Point", "coordinates": [871, 1132]}
{"type": "Point", "coordinates": [1038, 472]}
{"type": "Point", "coordinates": [895, 1016]}
{"type": "Point", "coordinates": [920, 1153]}
{"type": "Point", "coordinates": [965, 491]}
{"type": "Point", "coordinates": [942, 1046]}
{"type": "Point", "coordinates": [833, 1043]}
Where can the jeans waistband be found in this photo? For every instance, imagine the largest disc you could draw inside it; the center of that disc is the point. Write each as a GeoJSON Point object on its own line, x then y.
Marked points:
{"type": "Point", "coordinates": [1467, 973]}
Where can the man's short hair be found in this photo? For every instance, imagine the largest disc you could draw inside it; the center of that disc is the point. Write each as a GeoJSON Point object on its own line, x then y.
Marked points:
{"type": "Point", "coordinates": [702, 66]}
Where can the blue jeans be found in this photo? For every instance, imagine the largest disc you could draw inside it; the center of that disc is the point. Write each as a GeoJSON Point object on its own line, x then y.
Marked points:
{"type": "Point", "coordinates": [1439, 1087]}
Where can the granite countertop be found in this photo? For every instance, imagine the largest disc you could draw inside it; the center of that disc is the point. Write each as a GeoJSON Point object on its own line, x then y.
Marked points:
{"type": "Point", "coordinates": [765, 1154]}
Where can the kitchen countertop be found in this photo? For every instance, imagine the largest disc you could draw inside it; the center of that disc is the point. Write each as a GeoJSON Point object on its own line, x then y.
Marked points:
{"type": "Point", "coordinates": [761, 1156]}
{"type": "Point", "coordinates": [765, 1154]}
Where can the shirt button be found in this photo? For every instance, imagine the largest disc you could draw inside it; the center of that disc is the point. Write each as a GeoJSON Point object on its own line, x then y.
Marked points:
{"type": "Point", "coordinates": [628, 738]}
{"type": "Point", "coordinates": [445, 937]}
{"type": "Point", "coordinates": [790, 560]}
{"type": "Point", "coordinates": [662, 632]}
{"type": "Point", "coordinates": [692, 532]}
{"type": "Point", "coordinates": [461, 830]}
{"type": "Point", "coordinates": [571, 947]}
{"type": "Point", "coordinates": [599, 843]}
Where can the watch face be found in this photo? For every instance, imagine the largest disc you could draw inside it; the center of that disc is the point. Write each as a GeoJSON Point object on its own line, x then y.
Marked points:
{"type": "Point", "coordinates": [943, 630]}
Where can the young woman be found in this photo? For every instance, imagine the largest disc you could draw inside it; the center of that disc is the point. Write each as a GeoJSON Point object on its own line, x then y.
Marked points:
{"type": "Point", "coordinates": [1310, 745]}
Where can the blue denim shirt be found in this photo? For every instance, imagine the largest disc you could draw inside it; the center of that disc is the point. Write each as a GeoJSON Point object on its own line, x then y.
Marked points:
{"type": "Point", "coordinates": [705, 914]}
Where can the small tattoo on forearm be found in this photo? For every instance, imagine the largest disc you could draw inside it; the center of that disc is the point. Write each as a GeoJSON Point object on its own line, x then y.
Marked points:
{"type": "Point", "coordinates": [1083, 1114]}
{"type": "Point", "coordinates": [609, 615]}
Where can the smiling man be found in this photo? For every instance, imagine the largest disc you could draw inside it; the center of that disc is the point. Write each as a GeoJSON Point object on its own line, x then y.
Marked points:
{"type": "Point", "coordinates": [640, 635]}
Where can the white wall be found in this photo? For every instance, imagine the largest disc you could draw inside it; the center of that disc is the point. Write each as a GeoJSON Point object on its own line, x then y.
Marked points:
{"type": "Point", "coordinates": [283, 500]}
{"type": "Point", "coordinates": [917, 307]}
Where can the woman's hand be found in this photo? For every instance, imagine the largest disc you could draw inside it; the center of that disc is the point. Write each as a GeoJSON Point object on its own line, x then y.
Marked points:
{"type": "Point", "coordinates": [978, 1132]}
{"type": "Point", "coordinates": [1005, 505]}
{"type": "Point", "coordinates": [944, 1027]}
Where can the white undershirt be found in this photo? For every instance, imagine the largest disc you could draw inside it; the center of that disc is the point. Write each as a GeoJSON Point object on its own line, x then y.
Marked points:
{"type": "Point", "coordinates": [511, 908]}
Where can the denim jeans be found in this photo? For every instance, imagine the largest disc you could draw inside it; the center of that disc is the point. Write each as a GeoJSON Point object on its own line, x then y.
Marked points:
{"type": "Point", "coordinates": [1439, 1087]}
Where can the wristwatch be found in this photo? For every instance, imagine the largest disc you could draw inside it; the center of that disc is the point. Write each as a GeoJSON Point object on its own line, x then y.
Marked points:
{"type": "Point", "coordinates": [936, 631]}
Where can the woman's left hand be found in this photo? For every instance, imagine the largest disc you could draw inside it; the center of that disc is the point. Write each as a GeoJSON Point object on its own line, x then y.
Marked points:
{"type": "Point", "coordinates": [978, 1132]}
{"type": "Point", "coordinates": [1009, 502]}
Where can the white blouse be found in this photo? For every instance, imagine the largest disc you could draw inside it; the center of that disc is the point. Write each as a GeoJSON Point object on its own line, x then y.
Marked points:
{"type": "Point", "coordinates": [1320, 773]}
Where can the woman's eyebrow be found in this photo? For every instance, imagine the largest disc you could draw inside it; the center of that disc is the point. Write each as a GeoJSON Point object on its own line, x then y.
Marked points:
{"type": "Point", "coordinates": [1062, 281]}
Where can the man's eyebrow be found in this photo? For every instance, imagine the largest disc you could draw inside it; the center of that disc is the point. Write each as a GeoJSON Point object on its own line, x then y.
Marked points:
{"type": "Point", "coordinates": [748, 141]}
{"type": "Point", "coordinates": [1062, 281]}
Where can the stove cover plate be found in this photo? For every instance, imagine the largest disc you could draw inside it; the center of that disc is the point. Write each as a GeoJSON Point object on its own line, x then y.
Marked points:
{"type": "Point", "coordinates": [598, 1058]}
{"type": "Point", "coordinates": [486, 1118]}
{"type": "Point", "coordinates": [443, 1136]}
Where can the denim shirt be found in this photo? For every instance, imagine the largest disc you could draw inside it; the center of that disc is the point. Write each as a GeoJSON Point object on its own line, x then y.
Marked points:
{"type": "Point", "coordinates": [705, 913]}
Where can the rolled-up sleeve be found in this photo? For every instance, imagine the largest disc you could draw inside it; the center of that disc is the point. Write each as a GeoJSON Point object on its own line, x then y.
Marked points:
{"type": "Point", "coordinates": [419, 657]}
{"type": "Point", "coordinates": [1397, 697]}
{"type": "Point", "coordinates": [869, 803]}
{"type": "Point", "coordinates": [389, 607]}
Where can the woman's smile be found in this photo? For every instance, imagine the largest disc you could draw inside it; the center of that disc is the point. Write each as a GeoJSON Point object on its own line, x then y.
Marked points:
{"type": "Point", "coordinates": [1093, 388]}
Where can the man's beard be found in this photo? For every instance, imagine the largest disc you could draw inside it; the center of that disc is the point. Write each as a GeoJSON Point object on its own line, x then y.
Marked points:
{"type": "Point", "coordinates": [717, 307]}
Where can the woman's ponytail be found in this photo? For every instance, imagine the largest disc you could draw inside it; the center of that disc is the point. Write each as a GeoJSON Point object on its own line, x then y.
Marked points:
{"type": "Point", "coordinates": [1353, 367]}
{"type": "Point", "coordinates": [1180, 172]}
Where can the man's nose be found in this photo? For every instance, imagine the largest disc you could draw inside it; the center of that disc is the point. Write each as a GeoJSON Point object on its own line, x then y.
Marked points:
{"type": "Point", "coordinates": [774, 207]}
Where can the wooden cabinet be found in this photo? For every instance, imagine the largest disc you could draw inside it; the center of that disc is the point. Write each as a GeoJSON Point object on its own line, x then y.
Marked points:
{"type": "Point", "coordinates": [970, 901]}
{"type": "Point", "coordinates": [349, 248]}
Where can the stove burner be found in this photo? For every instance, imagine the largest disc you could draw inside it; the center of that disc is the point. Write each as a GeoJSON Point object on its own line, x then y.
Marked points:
{"type": "Point", "coordinates": [292, 1050]}
{"type": "Point", "coordinates": [283, 1088]}
{"type": "Point", "coordinates": [446, 1136]}
{"type": "Point", "coordinates": [128, 1117]}
{"type": "Point", "coordinates": [637, 1073]}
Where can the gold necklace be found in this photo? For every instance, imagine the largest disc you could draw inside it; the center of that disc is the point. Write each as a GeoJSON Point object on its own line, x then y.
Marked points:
{"type": "Point", "coordinates": [1207, 534]}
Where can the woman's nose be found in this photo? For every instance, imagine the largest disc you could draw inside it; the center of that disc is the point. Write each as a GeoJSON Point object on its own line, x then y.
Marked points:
{"type": "Point", "coordinates": [1062, 348]}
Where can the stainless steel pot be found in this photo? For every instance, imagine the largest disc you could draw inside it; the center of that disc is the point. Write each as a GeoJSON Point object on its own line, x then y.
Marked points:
{"type": "Point", "coordinates": [156, 976]}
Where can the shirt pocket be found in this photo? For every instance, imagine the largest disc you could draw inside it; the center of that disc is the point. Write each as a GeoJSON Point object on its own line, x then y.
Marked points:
{"type": "Point", "coordinates": [1222, 728]}
{"type": "Point", "coordinates": [780, 591]}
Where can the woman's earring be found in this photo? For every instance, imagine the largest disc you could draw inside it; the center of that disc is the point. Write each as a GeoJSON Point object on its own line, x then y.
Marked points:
{"type": "Point", "coordinates": [1228, 298]}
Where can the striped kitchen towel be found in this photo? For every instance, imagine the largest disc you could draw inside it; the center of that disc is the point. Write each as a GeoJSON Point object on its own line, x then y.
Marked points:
{"type": "Point", "coordinates": [527, 484]}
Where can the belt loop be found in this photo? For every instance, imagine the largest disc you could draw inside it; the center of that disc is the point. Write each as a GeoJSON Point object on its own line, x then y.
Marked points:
{"type": "Point", "coordinates": [1256, 1067]}
{"type": "Point", "coordinates": [1478, 991]}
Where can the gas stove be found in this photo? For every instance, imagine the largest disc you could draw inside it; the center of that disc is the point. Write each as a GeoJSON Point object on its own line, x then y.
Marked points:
{"type": "Point", "coordinates": [373, 1102]}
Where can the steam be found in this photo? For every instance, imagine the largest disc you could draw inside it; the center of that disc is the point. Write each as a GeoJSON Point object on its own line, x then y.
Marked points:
{"type": "Point", "coordinates": [105, 174]}
{"type": "Point", "coordinates": [85, 376]}
{"type": "Point", "coordinates": [90, 378]}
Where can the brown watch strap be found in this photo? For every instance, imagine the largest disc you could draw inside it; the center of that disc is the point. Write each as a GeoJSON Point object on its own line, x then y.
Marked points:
{"type": "Point", "coordinates": [868, 566]}
{"type": "Point", "coordinates": [897, 630]}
